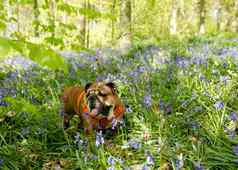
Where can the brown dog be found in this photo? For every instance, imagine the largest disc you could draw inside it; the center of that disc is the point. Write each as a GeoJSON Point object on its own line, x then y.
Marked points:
{"type": "Point", "coordinates": [97, 105]}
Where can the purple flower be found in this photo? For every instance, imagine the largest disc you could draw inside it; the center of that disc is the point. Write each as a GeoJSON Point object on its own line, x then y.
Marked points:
{"type": "Point", "coordinates": [1, 162]}
{"type": "Point", "coordinates": [111, 168]}
{"type": "Point", "coordinates": [198, 166]}
{"type": "Point", "coordinates": [224, 79]}
{"type": "Point", "coordinates": [114, 123]}
{"type": "Point", "coordinates": [99, 139]}
{"type": "Point", "coordinates": [4, 103]}
{"type": "Point", "coordinates": [179, 162]}
{"type": "Point", "coordinates": [219, 105]}
{"type": "Point", "coordinates": [61, 112]}
{"type": "Point", "coordinates": [149, 159]}
{"type": "Point", "coordinates": [77, 137]}
{"type": "Point", "coordinates": [111, 160]}
{"type": "Point", "coordinates": [235, 150]}
{"type": "Point", "coordinates": [233, 116]}
{"type": "Point", "coordinates": [145, 167]}
{"type": "Point", "coordinates": [121, 161]}
{"type": "Point", "coordinates": [159, 149]}
{"type": "Point", "coordinates": [25, 131]}
{"type": "Point", "coordinates": [168, 109]}
{"type": "Point", "coordinates": [128, 109]}
{"type": "Point", "coordinates": [231, 134]}
{"type": "Point", "coordinates": [94, 157]}
{"type": "Point", "coordinates": [147, 100]}
{"type": "Point", "coordinates": [202, 77]}
{"type": "Point", "coordinates": [134, 144]}
{"type": "Point", "coordinates": [141, 69]}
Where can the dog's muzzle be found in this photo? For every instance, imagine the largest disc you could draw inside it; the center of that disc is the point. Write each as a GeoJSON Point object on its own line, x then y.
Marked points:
{"type": "Point", "coordinates": [97, 107]}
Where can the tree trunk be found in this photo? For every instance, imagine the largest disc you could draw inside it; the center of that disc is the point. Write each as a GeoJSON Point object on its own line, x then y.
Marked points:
{"type": "Point", "coordinates": [113, 22]}
{"type": "Point", "coordinates": [218, 15]}
{"type": "Point", "coordinates": [36, 20]}
{"type": "Point", "coordinates": [236, 14]}
{"type": "Point", "coordinates": [125, 40]}
{"type": "Point", "coordinates": [53, 12]}
{"type": "Point", "coordinates": [7, 31]}
{"type": "Point", "coordinates": [173, 18]}
{"type": "Point", "coordinates": [88, 26]}
{"type": "Point", "coordinates": [202, 13]}
{"type": "Point", "coordinates": [83, 26]}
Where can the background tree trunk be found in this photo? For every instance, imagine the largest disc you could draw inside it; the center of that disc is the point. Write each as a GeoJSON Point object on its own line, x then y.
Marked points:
{"type": "Point", "coordinates": [113, 22]}
{"type": "Point", "coordinates": [88, 26]}
{"type": "Point", "coordinates": [7, 32]}
{"type": "Point", "coordinates": [218, 15]}
{"type": "Point", "coordinates": [53, 12]}
{"type": "Point", "coordinates": [202, 15]}
{"type": "Point", "coordinates": [36, 20]}
{"type": "Point", "coordinates": [125, 24]}
{"type": "Point", "coordinates": [83, 26]}
{"type": "Point", "coordinates": [173, 18]}
{"type": "Point", "coordinates": [236, 15]}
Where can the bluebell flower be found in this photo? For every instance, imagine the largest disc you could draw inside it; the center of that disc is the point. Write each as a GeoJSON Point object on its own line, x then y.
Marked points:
{"type": "Point", "coordinates": [219, 105]}
{"type": "Point", "coordinates": [40, 131]}
{"type": "Point", "coordinates": [149, 159]}
{"type": "Point", "coordinates": [111, 168]}
{"type": "Point", "coordinates": [231, 134]}
{"type": "Point", "coordinates": [111, 160]}
{"type": "Point", "coordinates": [77, 137]}
{"type": "Point", "coordinates": [114, 123]}
{"type": "Point", "coordinates": [145, 167]}
{"type": "Point", "coordinates": [61, 112]}
{"type": "Point", "coordinates": [126, 168]}
{"type": "Point", "coordinates": [128, 109]}
{"type": "Point", "coordinates": [141, 69]}
{"type": "Point", "coordinates": [134, 144]}
{"type": "Point", "coordinates": [99, 138]}
{"type": "Point", "coordinates": [198, 166]}
{"type": "Point", "coordinates": [233, 116]}
{"type": "Point", "coordinates": [121, 161]}
{"type": "Point", "coordinates": [168, 109]}
{"type": "Point", "coordinates": [158, 149]}
{"type": "Point", "coordinates": [179, 162]}
{"type": "Point", "coordinates": [224, 79]}
{"type": "Point", "coordinates": [1, 162]}
{"type": "Point", "coordinates": [4, 103]}
{"type": "Point", "coordinates": [147, 100]}
{"type": "Point", "coordinates": [25, 131]}
{"type": "Point", "coordinates": [194, 125]}
{"type": "Point", "coordinates": [94, 157]}
{"type": "Point", "coordinates": [235, 150]}
{"type": "Point", "coordinates": [133, 74]}
{"type": "Point", "coordinates": [202, 77]}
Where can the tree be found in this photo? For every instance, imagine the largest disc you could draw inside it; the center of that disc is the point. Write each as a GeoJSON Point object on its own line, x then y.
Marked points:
{"type": "Point", "coordinates": [125, 23]}
{"type": "Point", "coordinates": [173, 17]}
{"type": "Point", "coordinates": [202, 16]}
{"type": "Point", "coordinates": [36, 16]}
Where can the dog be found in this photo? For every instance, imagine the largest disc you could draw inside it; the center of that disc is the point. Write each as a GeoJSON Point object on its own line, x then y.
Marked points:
{"type": "Point", "coordinates": [97, 105]}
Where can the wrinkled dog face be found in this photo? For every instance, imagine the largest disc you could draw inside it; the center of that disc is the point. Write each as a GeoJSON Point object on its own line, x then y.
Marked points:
{"type": "Point", "coordinates": [100, 98]}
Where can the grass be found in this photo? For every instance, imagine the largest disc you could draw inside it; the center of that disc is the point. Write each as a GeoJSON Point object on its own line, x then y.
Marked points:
{"type": "Point", "coordinates": [178, 112]}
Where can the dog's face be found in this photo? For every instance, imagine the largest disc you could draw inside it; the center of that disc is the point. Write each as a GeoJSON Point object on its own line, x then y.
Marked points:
{"type": "Point", "coordinates": [101, 98]}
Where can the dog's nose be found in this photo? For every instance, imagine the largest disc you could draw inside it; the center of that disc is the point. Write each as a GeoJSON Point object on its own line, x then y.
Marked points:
{"type": "Point", "coordinates": [92, 97]}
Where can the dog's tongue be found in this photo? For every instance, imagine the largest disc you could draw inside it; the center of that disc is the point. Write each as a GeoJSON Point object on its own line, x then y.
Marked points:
{"type": "Point", "coordinates": [94, 112]}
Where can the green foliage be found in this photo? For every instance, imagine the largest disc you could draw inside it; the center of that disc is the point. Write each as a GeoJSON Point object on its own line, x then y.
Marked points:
{"type": "Point", "coordinates": [38, 53]}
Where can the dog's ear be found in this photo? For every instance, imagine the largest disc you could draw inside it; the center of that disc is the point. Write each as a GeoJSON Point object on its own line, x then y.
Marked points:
{"type": "Point", "coordinates": [112, 86]}
{"type": "Point", "coordinates": [87, 86]}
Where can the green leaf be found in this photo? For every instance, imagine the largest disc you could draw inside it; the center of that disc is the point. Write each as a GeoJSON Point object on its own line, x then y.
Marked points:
{"type": "Point", "coordinates": [38, 53]}
{"type": "Point", "coordinates": [2, 25]}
